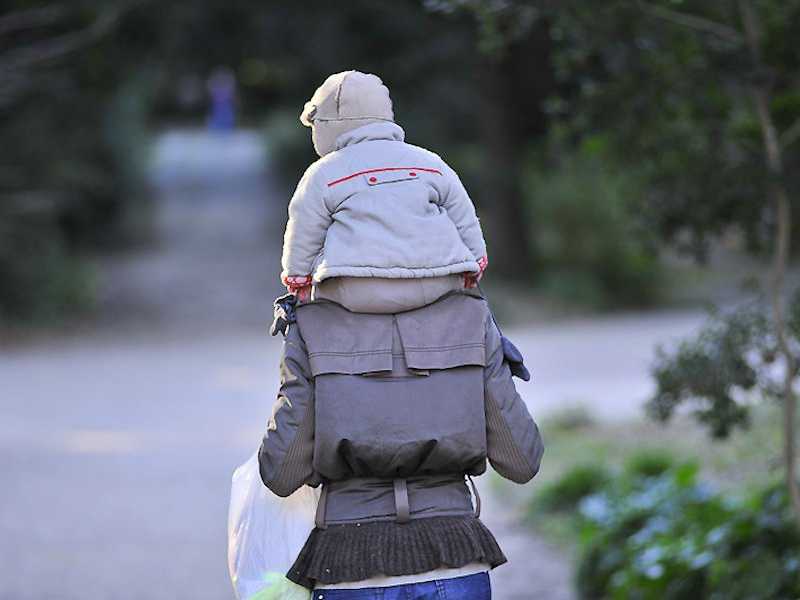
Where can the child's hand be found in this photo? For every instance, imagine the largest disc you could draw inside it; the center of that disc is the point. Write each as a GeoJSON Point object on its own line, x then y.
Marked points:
{"type": "Point", "coordinates": [471, 279]}
{"type": "Point", "coordinates": [299, 285]}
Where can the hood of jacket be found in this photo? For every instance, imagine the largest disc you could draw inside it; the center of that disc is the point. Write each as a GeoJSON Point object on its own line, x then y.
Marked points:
{"type": "Point", "coordinates": [379, 130]}
{"type": "Point", "coordinates": [345, 101]}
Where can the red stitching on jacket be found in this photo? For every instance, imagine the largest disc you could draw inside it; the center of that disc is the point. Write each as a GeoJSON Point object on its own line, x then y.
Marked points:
{"type": "Point", "coordinates": [335, 181]}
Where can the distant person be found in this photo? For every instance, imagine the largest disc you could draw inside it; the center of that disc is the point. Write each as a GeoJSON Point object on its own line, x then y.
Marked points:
{"type": "Point", "coordinates": [376, 224]}
{"type": "Point", "coordinates": [222, 96]}
{"type": "Point", "coordinates": [396, 387]}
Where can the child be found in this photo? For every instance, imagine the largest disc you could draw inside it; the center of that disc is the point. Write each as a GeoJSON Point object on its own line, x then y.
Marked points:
{"type": "Point", "coordinates": [376, 224]}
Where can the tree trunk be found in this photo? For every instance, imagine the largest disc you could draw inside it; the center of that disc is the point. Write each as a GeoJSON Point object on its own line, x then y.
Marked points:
{"type": "Point", "coordinates": [514, 87]}
{"type": "Point", "coordinates": [783, 216]}
{"type": "Point", "coordinates": [502, 202]}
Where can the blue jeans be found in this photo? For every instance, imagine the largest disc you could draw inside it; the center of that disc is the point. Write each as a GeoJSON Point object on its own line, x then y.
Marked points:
{"type": "Point", "coordinates": [469, 587]}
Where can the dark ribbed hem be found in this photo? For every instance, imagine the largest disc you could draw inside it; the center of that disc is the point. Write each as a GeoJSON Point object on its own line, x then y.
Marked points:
{"type": "Point", "coordinates": [352, 552]}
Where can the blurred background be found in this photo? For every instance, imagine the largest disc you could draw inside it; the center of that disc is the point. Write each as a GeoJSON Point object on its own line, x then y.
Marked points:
{"type": "Point", "coordinates": [635, 167]}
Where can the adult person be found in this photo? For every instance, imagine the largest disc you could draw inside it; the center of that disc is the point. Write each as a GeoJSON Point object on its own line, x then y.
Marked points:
{"type": "Point", "coordinates": [392, 414]}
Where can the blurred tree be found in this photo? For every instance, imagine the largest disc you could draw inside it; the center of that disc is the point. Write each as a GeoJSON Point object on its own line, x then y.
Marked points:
{"type": "Point", "coordinates": [515, 78]}
{"type": "Point", "coordinates": [64, 173]}
{"type": "Point", "coordinates": [81, 79]}
{"type": "Point", "coordinates": [706, 97]}
{"type": "Point", "coordinates": [762, 43]}
{"type": "Point", "coordinates": [668, 84]}
{"type": "Point", "coordinates": [590, 249]}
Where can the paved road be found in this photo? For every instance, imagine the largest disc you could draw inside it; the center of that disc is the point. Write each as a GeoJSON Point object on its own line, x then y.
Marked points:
{"type": "Point", "coordinates": [118, 444]}
{"type": "Point", "coordinates": [600, 363]}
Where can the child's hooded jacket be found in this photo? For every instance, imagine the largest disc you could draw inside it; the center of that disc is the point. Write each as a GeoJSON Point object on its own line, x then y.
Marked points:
{"type": "Point", "coordinates": [372, 205]}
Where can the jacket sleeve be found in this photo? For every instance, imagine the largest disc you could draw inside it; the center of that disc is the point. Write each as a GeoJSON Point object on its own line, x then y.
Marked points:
{"type": "Point", "coordinates": [309, 219]}
{"type": "Point", "coordinates": [287, 450]}
{"type": "Point", "coordinates": [514, 445]}
{"type": "Point", "coordinates": [461, 211]}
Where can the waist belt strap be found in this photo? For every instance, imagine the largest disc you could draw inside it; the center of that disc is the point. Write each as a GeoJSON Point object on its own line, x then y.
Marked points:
{"type": "Point", "coordinates": [477, 497]}
{"type": "Point", "coordinates": [319, 516]}
{"type": "Point", "coordinates": [401, 501]}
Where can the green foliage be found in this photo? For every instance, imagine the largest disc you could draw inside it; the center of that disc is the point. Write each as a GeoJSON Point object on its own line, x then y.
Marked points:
{"type": "Point", "coordinates": [678, 126]}
{"type": "Point", "coordinates": [652, 531]}
{"type": "Point", "coordinates": [574, 485]}
{"type": "Point", "coordinates": [673, 101]}
{"type": "Point", "coordinates": [671, 538]}
{"type": "Point", "coordinates": [41, 281]}
{"type": "Point", "coordinates": [573, 418]}
{"type": "Point", "coordinates": [71, 154]}
{"type": "Point", "coordinates": [732, 357]}
{"type": "Point", "coordinates": [670, 83]}
{"type": "Point", "coordinates": [585, 235]}
{"type": "Point", "coordinates": [649, 463]}
{"type": "Point", "coordinates": [500, 22]}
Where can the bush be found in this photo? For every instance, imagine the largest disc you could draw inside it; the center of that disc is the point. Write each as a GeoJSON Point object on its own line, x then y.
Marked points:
{"type": "Point", "coordinates": [669, 537]}
{"type": "Point", "coordinates": [575, 485]}
{"type": "Point", "coordinates": [649, 463]}
{"type": "Point", "coordinates": [653, 531]}
{"type": "Point", "coordinates": [586, 236]}
{"type": "Point", "coordinates": [571, 418]}
{"type": "Point", "coordinates": [41, 282]}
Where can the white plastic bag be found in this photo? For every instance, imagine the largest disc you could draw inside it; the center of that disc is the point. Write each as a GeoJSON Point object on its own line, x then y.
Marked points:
{"type": "Point", "coordinates": [265, 535]}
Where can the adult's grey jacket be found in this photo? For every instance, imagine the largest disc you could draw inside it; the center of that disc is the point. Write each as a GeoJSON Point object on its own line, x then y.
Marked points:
{"type": "Point", "coordinates": [390, 412]}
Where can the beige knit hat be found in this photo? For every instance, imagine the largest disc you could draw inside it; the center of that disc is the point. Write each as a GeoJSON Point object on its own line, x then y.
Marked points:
{"type": "Point", "coordinates": [345, 101]}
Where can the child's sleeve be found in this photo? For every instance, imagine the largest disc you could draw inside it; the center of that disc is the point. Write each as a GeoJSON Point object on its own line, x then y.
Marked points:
{"type": "Point", "coordinates": [309, 219]}
{"type": "Point", "coordinates": [461, 211]}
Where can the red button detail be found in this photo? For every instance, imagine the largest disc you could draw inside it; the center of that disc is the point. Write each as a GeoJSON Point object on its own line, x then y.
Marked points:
{"type": "Point", "coordinates": [373, 179]}
{"type": "Point", "coordinates": [413, 174]}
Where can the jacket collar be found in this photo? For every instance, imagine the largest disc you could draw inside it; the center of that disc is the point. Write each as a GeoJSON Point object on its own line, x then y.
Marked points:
{"type": "Point", "coordinates": [382, 130]}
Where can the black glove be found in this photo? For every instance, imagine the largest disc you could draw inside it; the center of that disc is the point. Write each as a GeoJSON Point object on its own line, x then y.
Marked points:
{"type": "Point", "coordinates": [283, 309]}
{"type": "Point", "coordinates": [514, 359]}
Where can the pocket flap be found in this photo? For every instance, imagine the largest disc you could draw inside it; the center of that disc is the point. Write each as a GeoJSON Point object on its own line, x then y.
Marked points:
{"type": "Point", "coordinates": [339, 341]}
{"type": "Point", "coordinates": [448, 333]}
{"type": "Point", "coordinates": [390, 176]}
